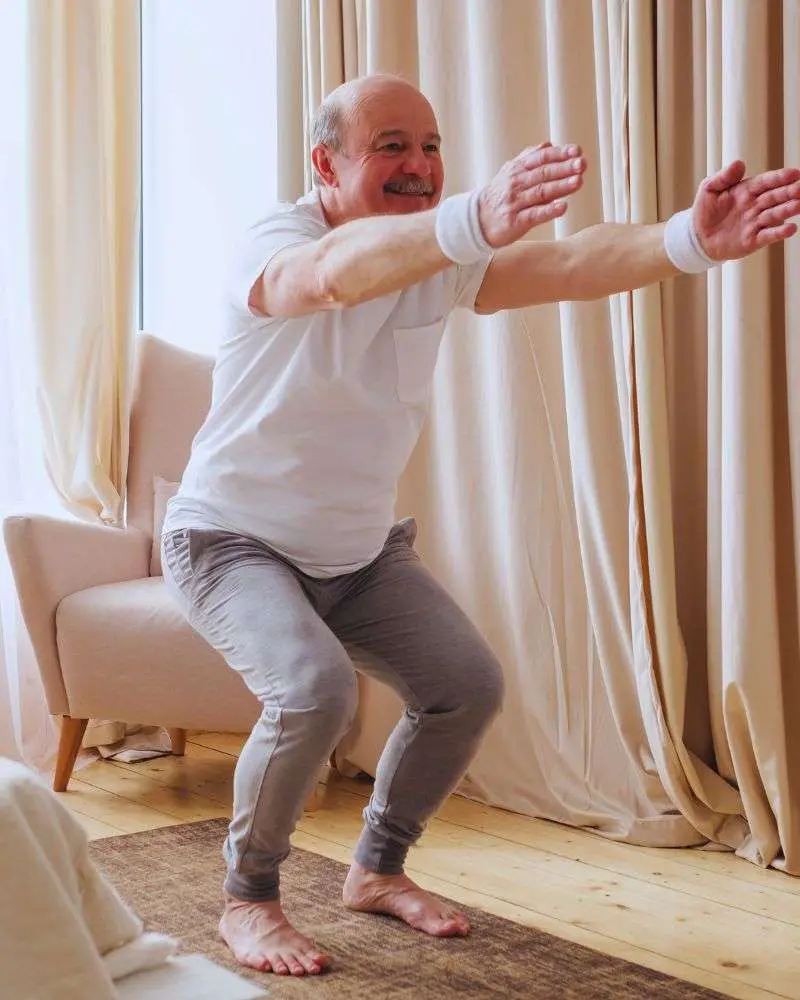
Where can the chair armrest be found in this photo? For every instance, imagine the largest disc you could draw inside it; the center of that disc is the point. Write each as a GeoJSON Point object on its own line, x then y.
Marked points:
{"type": "Point", "coordinates": [51, 558]}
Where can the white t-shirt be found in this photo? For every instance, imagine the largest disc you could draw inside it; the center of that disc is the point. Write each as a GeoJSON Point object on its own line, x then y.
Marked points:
{"type": "Point", "coordinates": [313, 419]}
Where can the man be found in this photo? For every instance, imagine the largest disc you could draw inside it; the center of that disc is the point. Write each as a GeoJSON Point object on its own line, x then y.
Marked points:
{"type": "Point", "coordinates": [281, 546]}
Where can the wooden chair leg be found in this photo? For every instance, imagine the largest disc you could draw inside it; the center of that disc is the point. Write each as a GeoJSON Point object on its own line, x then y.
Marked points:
{"type": "Point", "coordinates": [317, 798]}
{"type": "Point", "coordinates": [69, 744]}
{"type": "Point", "coordinates": [314, 800]}
{"type": "Point", "coordinates": [178, 738]}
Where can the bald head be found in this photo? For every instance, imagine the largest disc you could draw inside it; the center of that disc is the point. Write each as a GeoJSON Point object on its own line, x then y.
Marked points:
{"type": "Point", "coordinates": [375, 148]}
{"type": "Point", "coordinates": [330, 121]}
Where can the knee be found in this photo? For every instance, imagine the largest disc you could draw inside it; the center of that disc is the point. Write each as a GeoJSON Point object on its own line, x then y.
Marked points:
{"type": "Point", "coordinates": [493, 688]}
{"type": "Point", "coordinates": [483, 689]}
{"type": "Point", "coordinates": [324, 694]}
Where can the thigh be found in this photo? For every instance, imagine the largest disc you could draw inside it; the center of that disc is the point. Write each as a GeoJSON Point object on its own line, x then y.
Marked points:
{"type": "Point", "coordinates": [415, 636]}
{"type": "Point", "coordinates": [251, 607]}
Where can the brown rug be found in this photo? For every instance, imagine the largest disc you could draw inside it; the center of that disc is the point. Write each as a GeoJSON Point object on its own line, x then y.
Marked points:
{"type": "Point", "coordinates": [172, 878]}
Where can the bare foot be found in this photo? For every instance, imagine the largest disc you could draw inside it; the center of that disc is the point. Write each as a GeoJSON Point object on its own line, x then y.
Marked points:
{"type": "Point", "coordinates": [398, 896]}
{"type": "Point", "coordinates": [260, 936]}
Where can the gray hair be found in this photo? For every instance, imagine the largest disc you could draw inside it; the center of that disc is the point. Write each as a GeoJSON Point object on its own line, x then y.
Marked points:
{"type": "Point", "coordinates": [327, 127]}
{"type": "Point", "coordinates": [329, 120]}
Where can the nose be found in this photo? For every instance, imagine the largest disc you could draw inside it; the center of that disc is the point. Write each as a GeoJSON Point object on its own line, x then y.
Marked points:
{"type": "Point", "coordinates": [416, 161]}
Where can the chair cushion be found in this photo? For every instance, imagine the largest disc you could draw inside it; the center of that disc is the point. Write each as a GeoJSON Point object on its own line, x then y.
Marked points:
{"type": "Point", "coordinates": [127, 653]}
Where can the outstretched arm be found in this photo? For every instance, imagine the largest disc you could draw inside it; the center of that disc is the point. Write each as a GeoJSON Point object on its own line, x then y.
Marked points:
{"type": "Point", "coordinates": [733, 216]}
{"type": "Point", "coordinates": [370, 257]}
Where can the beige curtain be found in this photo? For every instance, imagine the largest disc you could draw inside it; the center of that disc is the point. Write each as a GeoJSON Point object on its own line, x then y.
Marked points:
{"type": "Point", "coordinates": [84, 195]}
{"type": "Point", "coordinates": [84, 114]}
{"type": "Point", "coordinates": [607, 488]}
{"type": "Point", "coordinates": [733, 425]}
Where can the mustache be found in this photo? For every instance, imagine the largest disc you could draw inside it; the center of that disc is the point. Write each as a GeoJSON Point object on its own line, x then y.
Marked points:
{"type": "Point", "coordinates": [410, 185]}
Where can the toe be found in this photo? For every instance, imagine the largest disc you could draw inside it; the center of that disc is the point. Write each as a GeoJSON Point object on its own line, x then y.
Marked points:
{"type": "Point", "coordinates": [456, 919]}
{"type": "Point", "coordinates": [279, 966]}
{"type": "Point", "coordinates": [320, 959]}
{"type": "Point", "coordinates": [312, 963]}
{"type": "Point", "coordinates": [253, 960]}
{"type": "Point", "coordinates": [296, 967]}
{"type": "Point", "coordinates": [448, 925]}
{"type": "Point", "coordinates": [448, 928]}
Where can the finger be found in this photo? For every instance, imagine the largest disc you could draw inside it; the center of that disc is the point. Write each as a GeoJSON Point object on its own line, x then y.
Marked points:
{"type": "Point", "coordinates": [547, 191]}
{"type": "Point", "coordinates": [773, 179]}
{"type": "Point", "coordinates": [777, 196]}
{"type": "Point", "coordinates": [528, 159]}
{"type": "Point", "coordinates": [553, 171]}
{"type": "Point", "coordinates": [726, 178]}
{"type": "Point", "coordinates": [766, 237]}
{"type": "Point", "coordinates": [778, 215]}
{"type": "Point", "coordinates": [540, 214]}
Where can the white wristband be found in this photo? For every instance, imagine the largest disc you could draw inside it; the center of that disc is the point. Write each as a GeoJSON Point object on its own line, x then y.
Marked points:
{"type": "Point", "coordinates": [682, 245]}
{"type": "Point", "coordinates": [458, 229]}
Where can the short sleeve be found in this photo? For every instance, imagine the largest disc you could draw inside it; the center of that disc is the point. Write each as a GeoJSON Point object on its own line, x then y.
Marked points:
{"type": "Point", "coordinates": [467, 282]}
{"type": "Point", "coordinates": [286, 228]}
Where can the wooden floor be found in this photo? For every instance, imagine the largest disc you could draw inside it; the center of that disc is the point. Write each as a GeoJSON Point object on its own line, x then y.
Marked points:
{"type": "Point", "coordinates": [702, 916]}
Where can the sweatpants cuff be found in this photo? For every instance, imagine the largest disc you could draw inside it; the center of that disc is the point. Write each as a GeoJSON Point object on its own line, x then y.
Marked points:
{"type": "Point", "coordinates": [252, 888]}
{"type": "Point", "coordinates": [379, 853]}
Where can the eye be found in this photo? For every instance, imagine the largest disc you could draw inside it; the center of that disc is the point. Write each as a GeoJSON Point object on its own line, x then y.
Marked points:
{"type": "Point", "coordinates": [392, 147]}
{"type": "Point", "coordinates": [432, 149]}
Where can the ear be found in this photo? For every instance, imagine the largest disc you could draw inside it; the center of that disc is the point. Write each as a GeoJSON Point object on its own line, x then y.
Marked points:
{"type": "Point", "coordinates": [322, 160]}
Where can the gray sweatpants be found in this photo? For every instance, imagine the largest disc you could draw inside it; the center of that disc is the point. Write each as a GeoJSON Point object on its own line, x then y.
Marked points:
{"type": "Point", "coordinates": [286, 633]}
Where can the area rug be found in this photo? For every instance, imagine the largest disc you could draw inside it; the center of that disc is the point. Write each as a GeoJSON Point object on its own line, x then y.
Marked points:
{"type": "Point", "coordinates": [172, 878]}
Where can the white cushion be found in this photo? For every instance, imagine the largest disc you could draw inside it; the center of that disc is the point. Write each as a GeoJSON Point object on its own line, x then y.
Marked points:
{"type": "Point", "coordinates": [127, 653]}
{"type": "Point", "coordinates": [171, 397]}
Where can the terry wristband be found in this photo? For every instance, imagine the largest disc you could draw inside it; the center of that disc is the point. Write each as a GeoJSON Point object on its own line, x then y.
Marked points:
{"type": "Point", "coordinates": [458, 229]}
{"type": "Point", "coordinates": [682, 245]}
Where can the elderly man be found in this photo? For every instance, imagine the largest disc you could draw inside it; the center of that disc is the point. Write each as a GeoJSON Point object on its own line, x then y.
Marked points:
{"type": "Point", "coordinates": [280, 545]}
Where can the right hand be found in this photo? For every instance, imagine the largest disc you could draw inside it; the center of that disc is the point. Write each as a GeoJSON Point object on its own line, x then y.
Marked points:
{"type": "Point", "coordinates": [528, 191]}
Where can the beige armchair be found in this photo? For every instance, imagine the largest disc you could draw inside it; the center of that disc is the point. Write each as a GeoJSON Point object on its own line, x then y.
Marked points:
{"type": "Point", "coordinates": [109, 641]}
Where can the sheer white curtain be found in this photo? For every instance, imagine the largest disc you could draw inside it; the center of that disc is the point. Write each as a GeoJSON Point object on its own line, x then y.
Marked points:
{"type": "Point", "coordinates": [209, 140]}
{"type": "Point", "coordinates": [26, 730]}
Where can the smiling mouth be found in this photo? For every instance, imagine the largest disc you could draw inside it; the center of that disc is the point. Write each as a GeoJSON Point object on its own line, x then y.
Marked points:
{"type": "Point", "coordinates": [413, 189]}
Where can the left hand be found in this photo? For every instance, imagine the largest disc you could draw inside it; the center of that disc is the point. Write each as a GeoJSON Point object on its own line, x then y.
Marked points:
{"type": "Point", "coordinates": [735, 215]}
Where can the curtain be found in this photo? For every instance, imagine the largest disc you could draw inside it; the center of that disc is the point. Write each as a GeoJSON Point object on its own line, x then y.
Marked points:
{"type": "Point", "coordinates": [733, 424]}
{"type": "Point", "coordinates": [26, 730]}
{"type": "Point", "coordinates": [84, 109]}
{"type": "Point", "coordinates": [68, 301]}
{"type": "Point", "coordinates": [607, 488]}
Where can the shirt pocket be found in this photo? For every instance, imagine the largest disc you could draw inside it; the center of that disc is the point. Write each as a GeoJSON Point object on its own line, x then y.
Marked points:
{"type": "Point", "coordinates": [416, 349]}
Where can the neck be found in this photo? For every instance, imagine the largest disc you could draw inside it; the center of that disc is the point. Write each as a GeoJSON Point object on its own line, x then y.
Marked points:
{"type": "Point", "coordinates": [333, 212]}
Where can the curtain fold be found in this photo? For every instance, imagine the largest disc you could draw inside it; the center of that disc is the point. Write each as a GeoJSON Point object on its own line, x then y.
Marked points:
{"type": "Point", "coordinates": [84, 203]}
{"type": "Point", "coordinates": [85, 155]}
{"type": "Point", "coordinates": [609, 488]}
{"type": "Point", "coordinates": [737, 537]}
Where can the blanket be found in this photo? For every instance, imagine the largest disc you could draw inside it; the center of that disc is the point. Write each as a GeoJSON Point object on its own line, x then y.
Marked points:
{"type": "Point", "coordinates": [64, 930]}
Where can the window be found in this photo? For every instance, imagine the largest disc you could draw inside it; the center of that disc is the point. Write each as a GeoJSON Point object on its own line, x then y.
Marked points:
{"type": "Point", "coordinates": [208, 150]}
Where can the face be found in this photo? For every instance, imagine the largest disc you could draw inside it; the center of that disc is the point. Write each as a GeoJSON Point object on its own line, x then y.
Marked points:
{"type": "Point", "coordinates": [391, 161]}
